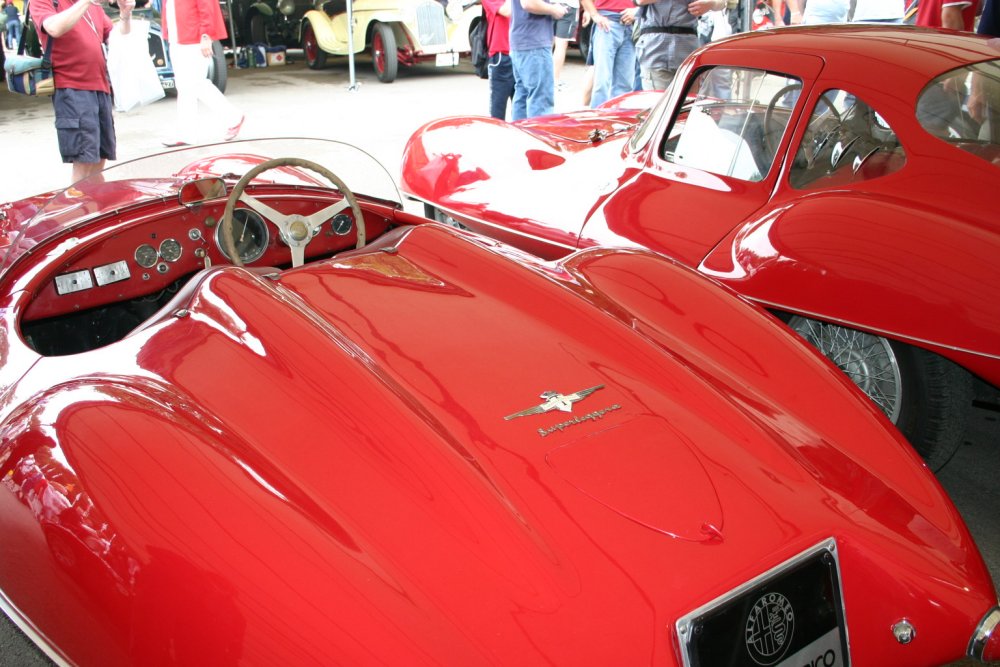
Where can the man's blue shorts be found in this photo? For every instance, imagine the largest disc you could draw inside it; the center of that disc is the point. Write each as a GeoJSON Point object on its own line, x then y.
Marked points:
{"type": "Point", "coordinates": [84, 125]}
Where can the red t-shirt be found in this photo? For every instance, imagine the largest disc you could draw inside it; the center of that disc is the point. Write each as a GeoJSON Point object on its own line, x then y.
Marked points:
{"type": "Point", "coordinates": [612, 5]}
{"type": "Point", "coordinates": [78, 56]}
{"type": "Point", "coordinates": [194, 19]}
{"type": "Point", "coordinates": [498, 27]}
{"type": "Point", "coordinates": [929, 12]}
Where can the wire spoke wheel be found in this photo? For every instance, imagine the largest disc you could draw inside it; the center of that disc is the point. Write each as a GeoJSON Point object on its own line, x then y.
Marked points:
{"type": "Point", "coordinates": [868, 360]}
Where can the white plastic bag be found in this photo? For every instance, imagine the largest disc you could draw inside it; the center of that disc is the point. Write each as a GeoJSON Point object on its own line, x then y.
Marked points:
{"type": "Point", "coordinates": [133, 76]}
{"type": "Point", "coordinates": [720, 24]}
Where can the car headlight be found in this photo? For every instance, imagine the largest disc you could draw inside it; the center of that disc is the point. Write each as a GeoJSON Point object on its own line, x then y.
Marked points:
{"type": "Point", "coordinates": [286, 7]}
{"type": "Point", "coordinates": [985, 643]}
{"type": "Point", "coordinates": [454, 10]}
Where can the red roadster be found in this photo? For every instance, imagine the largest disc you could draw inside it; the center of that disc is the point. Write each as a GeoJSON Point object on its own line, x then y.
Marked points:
{"type": "Point", "coordinates": [255, 413]}
{"type": "Point", "coordinates": [844, 177]}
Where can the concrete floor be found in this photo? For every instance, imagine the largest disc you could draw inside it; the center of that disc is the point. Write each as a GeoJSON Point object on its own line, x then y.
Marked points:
{"type": "Point", "coordinates": [295, 101]}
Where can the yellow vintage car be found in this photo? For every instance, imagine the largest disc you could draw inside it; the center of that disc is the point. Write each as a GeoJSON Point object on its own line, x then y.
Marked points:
{"type": "Point", "coordinates": [395, 31]}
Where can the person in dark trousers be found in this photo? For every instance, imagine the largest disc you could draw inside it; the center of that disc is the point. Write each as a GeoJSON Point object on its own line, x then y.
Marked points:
{"type": "Point", "coordinates": [500, 68]}
{"type": "Point", "coordinates": [12, 19]}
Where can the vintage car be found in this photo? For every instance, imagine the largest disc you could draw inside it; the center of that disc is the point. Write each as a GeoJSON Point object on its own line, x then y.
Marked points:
{"type": "Point", "coordinates": [403, 32]}
{"type": "Point", "coordinates": [832, 174]}
{"type": "Point", "coordinates": [255, 412]}
{"type": "Point", "coordinates": [269, 21]}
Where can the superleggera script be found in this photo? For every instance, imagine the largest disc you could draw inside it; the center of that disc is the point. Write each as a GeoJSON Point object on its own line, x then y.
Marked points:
{"type": "Point", "coordinates": [591, 416]}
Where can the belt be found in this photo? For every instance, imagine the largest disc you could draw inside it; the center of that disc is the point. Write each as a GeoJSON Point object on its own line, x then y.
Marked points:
{"type": "Point", "coordinates": [670, 29]}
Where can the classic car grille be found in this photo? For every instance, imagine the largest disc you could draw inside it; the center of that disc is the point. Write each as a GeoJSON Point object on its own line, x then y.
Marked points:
{"type": "Point", "coordinates": [784, 618]}
{"type": "Point", "coordinates": [430, 25]}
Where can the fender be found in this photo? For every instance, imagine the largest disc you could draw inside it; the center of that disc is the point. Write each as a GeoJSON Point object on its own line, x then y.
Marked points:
{"type": "Point", "coordinates": [530, 162]}
{"type": "Point", "coordinates": [262, 8]}
{"type": "Point", "coordinates": [817, 250]}
{"type": "Point", "coordinates": [331, 32]}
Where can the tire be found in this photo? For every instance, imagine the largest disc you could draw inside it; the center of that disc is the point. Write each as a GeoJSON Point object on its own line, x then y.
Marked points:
{"type": "Point", "coordinates": [218, 73]}
{"type": "Point", "coordinates": [258, 29]}
{"type": "Point", "coordinates": [384, 58]}
{"type": "Point", "coordinates": [315, 56]}
{"type": "Point", "coordinates": [926, 396]}
{"type": "Point", "coordinates": [583, 41]}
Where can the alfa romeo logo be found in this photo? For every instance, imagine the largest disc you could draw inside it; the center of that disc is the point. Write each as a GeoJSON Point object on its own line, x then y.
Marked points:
{"type": "Point", "coordinates": [770, 625]}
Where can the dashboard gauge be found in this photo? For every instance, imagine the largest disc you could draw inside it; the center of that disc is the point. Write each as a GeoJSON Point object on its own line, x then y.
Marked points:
{"type": "Point", "coordinates": [249, 235]}
{"type": "Point", "coordinates": [146, 256]}
{"type": "Point", "coordinates": [342, 224]}
{"type": "Point", "coordinates": [170, 250]}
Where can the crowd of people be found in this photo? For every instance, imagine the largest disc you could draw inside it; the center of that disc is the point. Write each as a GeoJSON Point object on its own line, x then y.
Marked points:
{"type": "Point", "coordinates": [634, 45]}
{"type": "Point", "coordinates": [640, 44]}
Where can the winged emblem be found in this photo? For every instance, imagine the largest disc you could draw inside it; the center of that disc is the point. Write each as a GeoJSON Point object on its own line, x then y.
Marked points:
{"type": "Point", "coordinates": [555, 401]}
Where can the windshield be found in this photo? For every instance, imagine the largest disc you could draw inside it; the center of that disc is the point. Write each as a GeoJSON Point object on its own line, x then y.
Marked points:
{"type": "Point", "coordinates": [962, 107]}
{"type": "Point", "coordinates": [136, 182]}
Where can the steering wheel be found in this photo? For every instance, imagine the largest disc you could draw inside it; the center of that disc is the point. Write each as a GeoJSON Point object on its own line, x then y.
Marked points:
{"type": "Point", "coordinates": [771, 136]}
{"type": "Point", "coordinates": [296, 230]}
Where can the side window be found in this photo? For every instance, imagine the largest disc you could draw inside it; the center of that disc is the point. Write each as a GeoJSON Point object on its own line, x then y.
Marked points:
{"type": "Point", "coordinates": [732, 122]}
{"type": "Point", "coordinates": [846, 141]}
{"type": "Point", "coordinates": [962, 107]}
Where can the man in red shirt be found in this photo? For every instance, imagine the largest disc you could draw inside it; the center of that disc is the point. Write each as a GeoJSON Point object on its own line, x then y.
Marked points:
{"type": "Point", "coordinates": [82, 100]}
{"type": "Point", "coordinates": [501, 70]}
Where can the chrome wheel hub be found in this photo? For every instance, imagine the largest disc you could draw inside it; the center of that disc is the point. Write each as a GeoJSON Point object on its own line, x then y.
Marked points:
{"type": "Point", "coordinates": [868, 360]}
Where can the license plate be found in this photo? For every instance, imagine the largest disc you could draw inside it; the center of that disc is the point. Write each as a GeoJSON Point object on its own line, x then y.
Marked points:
{"type": "Point", "coordinates": [167, 83]}
{"type": "Point", "coordinates": [446, 60]}
{"type": "Point", "coordinates": [790, 616]}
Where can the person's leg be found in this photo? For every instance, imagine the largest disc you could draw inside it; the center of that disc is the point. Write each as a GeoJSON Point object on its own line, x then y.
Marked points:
{"type": "Point", "coordinates": [624, 67]}
{"type": "Point", "coordinates": [187, 63]}
{"type": "Point", "coordinates": [501, 75]}
{"type": "Point", "coordinates": [82, 120]}
{"type": "Point", "coordinates": [519, 105]}
{"type": "Point", "coordinates": [559, 48]}
{"type": "Point", "coordinates": [536, 72]}
{"type": "Point", "coordinates": [82, 170]}
{"type": "Point", "coordinates": [498, 85]}
{"type": "Point", "coordinates": [508, 69]}
{"type": "Point", "coordinates": [603, 46]}
{"type": "Point", "coordinates": [14, 33]}
{"type": "Point", "coordinates": [658, 79]}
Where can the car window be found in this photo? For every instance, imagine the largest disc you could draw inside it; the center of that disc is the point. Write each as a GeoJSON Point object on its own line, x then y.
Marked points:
{"type": "Point", "coordinates": [732, 122]}
{"type": "Point", "coordinates": [846, 141]}
{"type": "Point", "coordinates": [962, 107]}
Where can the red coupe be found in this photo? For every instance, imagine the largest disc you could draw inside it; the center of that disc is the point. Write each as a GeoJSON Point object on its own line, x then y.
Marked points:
{"type": "Point", "coordinates": [256, 413]}
{"type": "Point", "coordinates": [843, 177]}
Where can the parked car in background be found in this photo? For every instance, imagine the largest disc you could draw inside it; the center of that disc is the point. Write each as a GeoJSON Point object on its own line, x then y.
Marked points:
{"type": "Point", "coordinates": [270, 22]}
{"type": "Point", "coordinates": [258, 413]}
{"type": "Point", "coordinates": [398, 32]}
{"type": "Point", "coordinates": [160, 54]}
{"type": "Point", "coordinates": [856, 202]}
